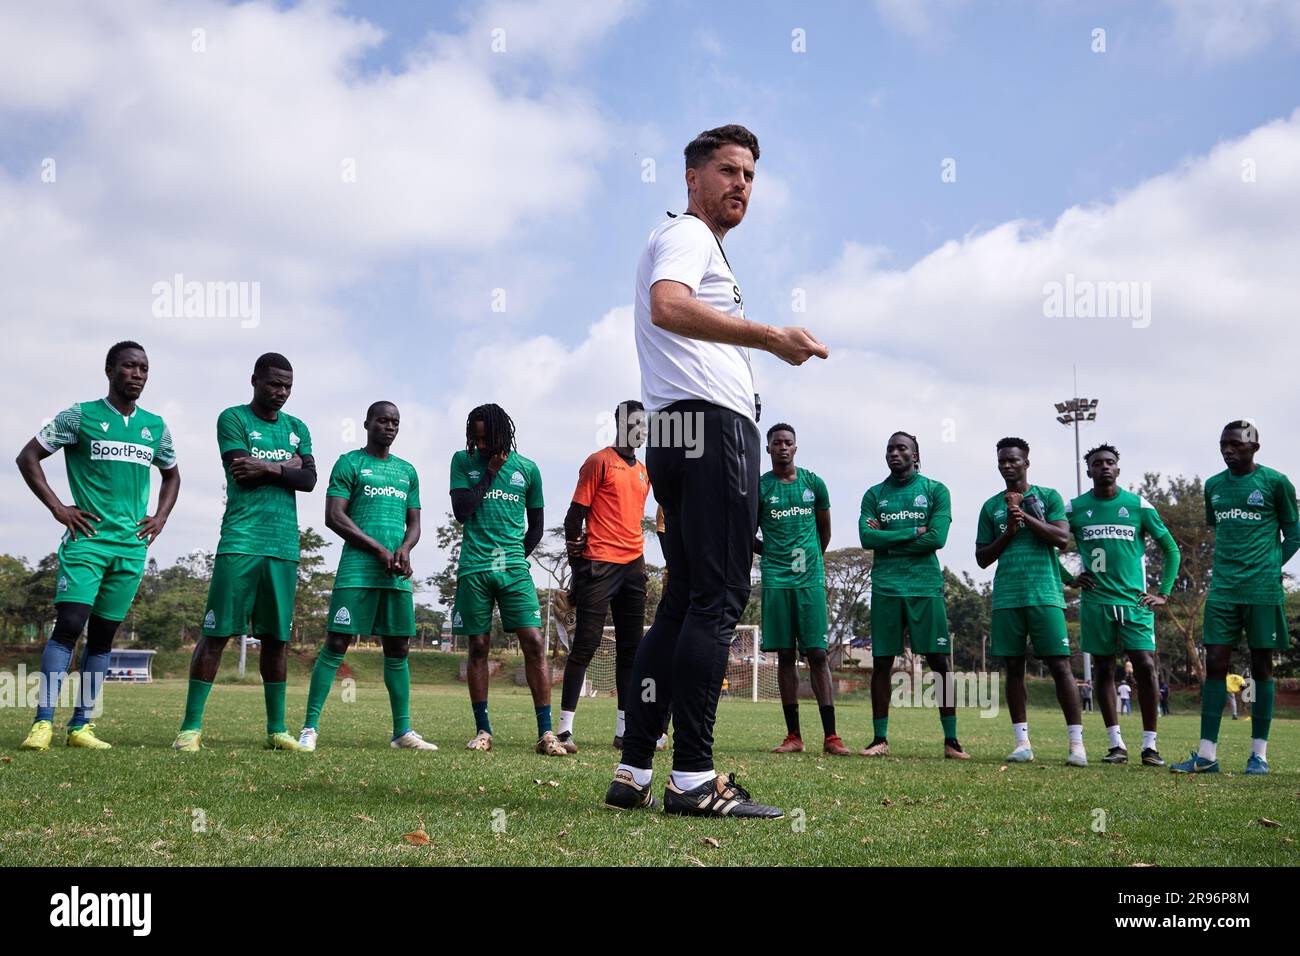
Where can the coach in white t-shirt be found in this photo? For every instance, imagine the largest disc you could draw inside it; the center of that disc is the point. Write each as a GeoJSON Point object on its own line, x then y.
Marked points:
{"type": "Point", "coordinates": [693, 343]}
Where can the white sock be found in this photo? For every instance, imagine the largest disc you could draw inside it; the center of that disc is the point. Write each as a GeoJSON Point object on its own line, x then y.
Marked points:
{"type": "Point", "coordinates": [1115, 739]}
{"type": "Point", "coordinates": [689, 781]}
{"type": "Point", "coordinates": [620, 725]}
{"type": "Point", "coordinates": [640, 777]}
{"type": "Point", "coordinates": [1209, 750]}
{"type": "Point", "coordinates": [1022, 733]}
{"type": "Point", "coordinates": [1148, 740]}
{"type": "Point", "coordinates": [1076, 735]}
{"type": "Point", "coordinates": [566, 722]}
{"type": "Point", "coordinates": [1259, 748]}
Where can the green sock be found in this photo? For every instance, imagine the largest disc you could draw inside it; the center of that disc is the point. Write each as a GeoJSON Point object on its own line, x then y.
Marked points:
{"type": "Point", "coordinates": [1214, 695]}
{"type": "Point", "coordinates": [880, 726]}
{"type": "Point", "coordinates": [274, 694]}
{"type": "Point", "coordinates": [1261, 711]}
{"type": "Point", "coordinates": [397, 678]}
{"type": "Point", "coordinates": [196, 699]}
{"type": "Point", "coordinates": [949, 726]}
{"type": "Point", "coordinates": [322, 679]}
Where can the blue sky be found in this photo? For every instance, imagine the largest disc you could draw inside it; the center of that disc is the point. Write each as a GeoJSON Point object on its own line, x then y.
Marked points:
{"type": "Point", "coordinates": [522, 171]}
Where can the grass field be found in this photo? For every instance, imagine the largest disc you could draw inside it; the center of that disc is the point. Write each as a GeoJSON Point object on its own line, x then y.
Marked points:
{"type": "Point", "coordinates": [353, 801]}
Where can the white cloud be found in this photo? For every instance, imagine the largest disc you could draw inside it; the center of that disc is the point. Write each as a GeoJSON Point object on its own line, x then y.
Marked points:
{"type": "Point", "coordinates": [1227, 31]}
{"type": "Point", "coordinates": [926, 21]}
{"type": "Point", "coordinates": [226, 165]}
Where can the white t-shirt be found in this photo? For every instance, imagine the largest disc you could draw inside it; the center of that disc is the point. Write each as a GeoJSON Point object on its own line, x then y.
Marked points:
{"type": "Point", "coordinates": [1124, 691]}
{"type": "Point", "coordinates": [674, 367]}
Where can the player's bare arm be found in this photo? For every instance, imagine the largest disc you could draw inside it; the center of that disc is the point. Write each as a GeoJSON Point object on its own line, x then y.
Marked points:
{"type": "Point", "coordinates": [70, 516]}
{"type": "Point", "coordinates": [169, 488]}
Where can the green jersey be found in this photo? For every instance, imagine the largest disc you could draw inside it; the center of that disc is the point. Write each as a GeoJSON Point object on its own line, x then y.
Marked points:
{"type": "Point", "coordinates": [792, 550]}
{"type": "Point", "coordinates": [1027, 574]}
{"type": "Point", "coordinates": [493, 538]}
{"type": "Point", "coordinates": [1246, 514]}
{"type": "Point", "coordinates": [262, 520]}
{"type": "Point", "coordinates": [905, 563]}
{"type": "Point", "coordinates": [1109, 535]}
{"type": "Point", "coordinates": [378, 492]}
{"type": "Point", "coordinates": [108, 456]}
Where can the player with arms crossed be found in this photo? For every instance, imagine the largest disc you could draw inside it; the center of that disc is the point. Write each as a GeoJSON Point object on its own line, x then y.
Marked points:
{"type": "Point", "coordinates": [795, 520]}
{"type": "Point", "coordinates": [108, 447]}
{"type": "Point", "coordinates": [373, 504]}
{"type": "Point", "coordinates": [606, 544]}
{"type": "Point", "coordinates": [1249, 506]}
{"type": "Point", "coordinates": [496, 494]}
{"type": "Point", "coordinates": [1021, 529]}
{"type": "Point", "coordinates": [905, 521]}
{"type": "Point", "coordinates": [267, 458]}
{"type": "Point", "coordinates": [1115, 611]}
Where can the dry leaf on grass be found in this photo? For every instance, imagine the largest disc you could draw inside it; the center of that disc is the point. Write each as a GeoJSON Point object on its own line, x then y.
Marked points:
{"type": "Point", "coordinates": [886, 802]}
{"type": "Point", "coordinates": [694, 861]}
{"type": "Point", "coordinates": [417, 838]}
{"type": "Point", "coordinates": [711, 842]}
{"type": "Point", "coordinates": [363, 818]}
{"type": "Point", "coordinates": [1266, 822]}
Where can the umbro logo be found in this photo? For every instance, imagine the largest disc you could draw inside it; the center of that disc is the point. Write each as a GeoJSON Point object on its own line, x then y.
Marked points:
{"type": "Point", "coordinates": [774, 499]}
{"type": "Point", "coordinates": [210, 619]}
{"type": "Point", "coordinates": [405, 481]}
{"type": "Point", "coordinates": [1214, 499]}
{"type": "Point", "coordinates": [104, 425]}
{"type": "Point", "coordinates": [367, 471]}
{"type": "Point", "coordinates": [343, 617]}
{"type": "Point", "coordinates": [474, 475]}
{"type": "Point", "coordinates": [1089, 512]}
{"type": "Point", "coordinates": [256, 436]}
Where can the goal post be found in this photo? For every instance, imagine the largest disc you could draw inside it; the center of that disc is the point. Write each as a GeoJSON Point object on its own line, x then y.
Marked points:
{"type": "Point", "coordinates": [751, 674]}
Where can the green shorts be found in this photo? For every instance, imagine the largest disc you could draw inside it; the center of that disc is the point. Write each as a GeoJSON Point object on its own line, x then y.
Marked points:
{"type": "Point", "coordinates": [512, 590]}
{"type": "Point", "coordinates": [923, 618]}
{"type": "Point", "coordinates": [794, 617]}
{"type": "Point", "coordinates": [1106, 629]}
{"type": "Point", "coordinates": [372, 612]}
{"type": "Point", "coordinates": [105, 578]}
{"type": "Point", "coordinates": [1042, 624]}
{"type": "Point", "coordinates": [1264, 624]}
{"type": "Point", "coordinates": [251, 588]}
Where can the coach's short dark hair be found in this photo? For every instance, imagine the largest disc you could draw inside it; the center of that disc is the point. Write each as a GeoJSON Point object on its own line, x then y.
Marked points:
{"type": "Point", "coordinates": [118, 349]}
{"type": "Point", "coordinates": [627, 407]}
{"type": "Point", "coordinates": [780, 427]}
{"type": "Point", "coordinates": [270, 360]}
{"type": "Point", "coordinates": [1014, 443]}
{"type": "Point", "coordinates": [701, 147]}
{"type": "Point", "coordinates": [1247, 426]}
{"type": "Point", "coordinates": [1092, 451]}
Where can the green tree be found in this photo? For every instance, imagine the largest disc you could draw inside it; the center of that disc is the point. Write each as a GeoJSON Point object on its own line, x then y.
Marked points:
{"type": "Point", "coordinates": [848, 589]}
{"type": "Point", "coordinates": [970, 611]}
{"type": "Point", "coordinates": [311, 603]}
{"type": "Point", "coordinates": [1181, 503]}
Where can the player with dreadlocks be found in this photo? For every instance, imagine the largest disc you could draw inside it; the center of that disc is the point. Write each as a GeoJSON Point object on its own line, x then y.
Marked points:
{"type": "Point", "coordinates": [496, 495]}
{"type": "Point", "coordinates": [1115, 612]}
{"type": "Point", "coordinates": [905, 521]}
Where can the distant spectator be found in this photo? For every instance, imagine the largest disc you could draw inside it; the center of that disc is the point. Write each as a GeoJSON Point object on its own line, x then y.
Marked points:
{"type": "Point", "coordinates": [1085, 694]}
{"type": "Point", "coordinates": [1164, 697]}
{"type": "Point", "coordinates": [1235, 683]}
{"type": "Point", "coordinates": [1125, 692]}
